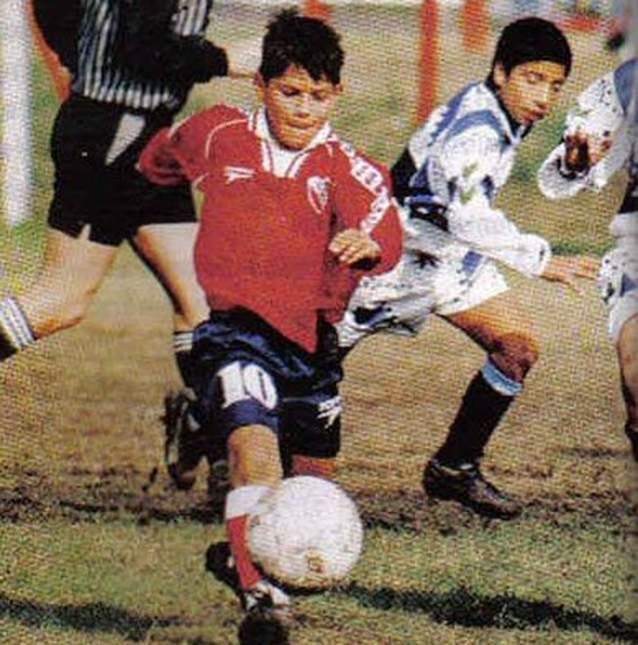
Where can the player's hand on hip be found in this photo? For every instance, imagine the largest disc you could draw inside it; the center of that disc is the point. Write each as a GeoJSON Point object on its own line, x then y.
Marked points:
{"type": "Point", "coordinates": [567, 269]}
{"type": "Point", "coordinates": [352, 246]}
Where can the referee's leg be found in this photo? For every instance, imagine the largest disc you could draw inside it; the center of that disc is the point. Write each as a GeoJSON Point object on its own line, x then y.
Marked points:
{"type": "Point", "coordinates": [167, 248]}
{"type": "Point", "coordinates": [71, 273]}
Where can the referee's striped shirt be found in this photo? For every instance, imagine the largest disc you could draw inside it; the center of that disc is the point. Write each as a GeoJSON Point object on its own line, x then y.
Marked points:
{"type": "Point", "coordinates": [99, 74]}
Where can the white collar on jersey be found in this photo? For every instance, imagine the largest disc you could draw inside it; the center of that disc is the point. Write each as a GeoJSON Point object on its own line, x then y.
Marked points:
{"type": "Point", "coordinates": [275, 158]}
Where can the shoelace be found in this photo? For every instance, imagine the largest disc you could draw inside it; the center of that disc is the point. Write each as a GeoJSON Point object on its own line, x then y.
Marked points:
{"type": "Point", "coordinates": [266, 591]}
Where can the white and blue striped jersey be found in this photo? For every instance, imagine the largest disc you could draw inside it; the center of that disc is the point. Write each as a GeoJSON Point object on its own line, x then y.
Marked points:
{"type": "Point", "coordinates": [450, 174]}
{"type": "Point", "coordinates": [608, 107]}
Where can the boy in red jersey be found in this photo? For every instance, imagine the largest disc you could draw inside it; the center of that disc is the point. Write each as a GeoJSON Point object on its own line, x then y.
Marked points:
{"type": "Point", "coordinates": [292, 218]}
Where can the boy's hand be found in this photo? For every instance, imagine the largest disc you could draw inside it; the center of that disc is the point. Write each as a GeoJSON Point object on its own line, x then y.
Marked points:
{"type": "Point", "coordinates": [352, 246]}
{"type": "Point", "coordinates": [582, 151]}
{"type": "Point", "coordinates": [567, 269]}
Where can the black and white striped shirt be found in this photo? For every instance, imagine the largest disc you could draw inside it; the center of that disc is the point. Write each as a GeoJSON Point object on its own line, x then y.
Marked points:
{"type": "Point", "coordinates": [141, 54]}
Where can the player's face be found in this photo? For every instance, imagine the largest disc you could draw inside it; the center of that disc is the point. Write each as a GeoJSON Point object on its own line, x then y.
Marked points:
{"type": "Point", "coordinates": [297, 106]}
{"type": "Point", "coordinates": [530, 90]}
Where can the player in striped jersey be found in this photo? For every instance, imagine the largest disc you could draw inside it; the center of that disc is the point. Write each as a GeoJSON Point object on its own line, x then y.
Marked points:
{"type": "Point", "coordinates": [601, 138]}
{"type": "Point", "coordinates": [132, 64]}
{"type": "Point", "coordinates": [447, 181]}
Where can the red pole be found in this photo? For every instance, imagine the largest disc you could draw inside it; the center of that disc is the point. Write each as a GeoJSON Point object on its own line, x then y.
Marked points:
{"type": "Point", "coordinates": [429, 59]}
{"type": "Point", "coordinates": [475, 26]}
{"type": "Point", "coordinates": [317, 9]}
{"type": "Point", "coordinates": [58, 74]}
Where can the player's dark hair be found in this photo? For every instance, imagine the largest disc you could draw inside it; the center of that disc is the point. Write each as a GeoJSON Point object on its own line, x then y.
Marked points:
{"type": "Point", "coordinates": [309, 43]}
{"type": "Point", "coordinates": [532, 39]}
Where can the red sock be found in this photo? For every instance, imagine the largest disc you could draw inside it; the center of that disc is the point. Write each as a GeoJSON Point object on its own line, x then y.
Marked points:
{"type": "Point", "coordinates": [248, 573]}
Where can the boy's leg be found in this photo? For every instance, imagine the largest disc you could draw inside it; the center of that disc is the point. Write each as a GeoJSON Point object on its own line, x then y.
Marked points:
{"type": "Point", "coordinates": [167, 250]}
{"type": "Point", "coordinates": [502, 328]}
{"type": "Point", "coordinates": [627, 349]}
{"type": "Point", "coordinates": [313, 432]}
{"type": "Point", "coordinates": [253, 460]}
{"type": "Point", "coordinates": [618, 285]}
{"type": "Point", "coordinates": [254, 465]}
{"type": "Point", "coordinates": [72, 271]}
{"type": "Point", "coordinates": [311, 428]}
{"type": "Point", "coordinates": [239, 403]}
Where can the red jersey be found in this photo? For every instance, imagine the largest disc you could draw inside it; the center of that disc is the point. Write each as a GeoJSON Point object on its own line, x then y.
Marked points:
{"type": "Point", "coordinates": [269, 214]}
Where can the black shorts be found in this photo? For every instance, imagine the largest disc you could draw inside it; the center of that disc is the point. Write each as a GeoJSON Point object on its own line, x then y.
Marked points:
{"type": "Point", "coordinates": [95, 147]}
{"type": "Point", "coordinates": [248, 373]}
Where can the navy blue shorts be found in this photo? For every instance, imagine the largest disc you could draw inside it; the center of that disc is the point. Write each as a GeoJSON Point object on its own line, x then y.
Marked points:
{"type": "Point", "coordinates": [249, 374]}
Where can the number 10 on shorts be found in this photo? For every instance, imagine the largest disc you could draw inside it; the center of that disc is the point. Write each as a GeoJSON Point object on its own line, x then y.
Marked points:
{"type": "Point", "coordinates": [247, 382]}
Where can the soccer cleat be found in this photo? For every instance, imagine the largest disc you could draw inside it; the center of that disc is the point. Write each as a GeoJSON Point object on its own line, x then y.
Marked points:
{"type": "Point", "coordinates": [218, 476]}
{"type": "Point", "coordinates": [219, 562]}
{"type": "Point", "coordinates": [268, 608]}
{"type": "Point", "coordinates": [467, 486]}
{"type": "Point", "coordinates": [268, 615]}
{"type": "Point", "coordinates": [185, 442]}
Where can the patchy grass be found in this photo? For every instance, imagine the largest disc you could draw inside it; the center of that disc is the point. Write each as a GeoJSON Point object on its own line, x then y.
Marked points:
{"type": "Point", "coordinates": [90, 553]}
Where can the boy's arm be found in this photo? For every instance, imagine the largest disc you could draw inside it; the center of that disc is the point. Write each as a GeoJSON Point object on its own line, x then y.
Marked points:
{"type": "Point", "coordinates": [370, 236]}
{"type": "Point", "coordinates": [183, 152]}
{"type": "Point", "coordinates": [59, 22]}
{"type": "Point", "coordinates": [469, 161]}
{"type": "Point", "coordinates": [595, 141]}
{"type": "Point", "coordinates": [154, 50]}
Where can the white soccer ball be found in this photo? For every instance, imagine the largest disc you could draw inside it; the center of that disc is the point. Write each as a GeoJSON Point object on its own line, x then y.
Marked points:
{"type": "Point", "coordinates": [306, 532]}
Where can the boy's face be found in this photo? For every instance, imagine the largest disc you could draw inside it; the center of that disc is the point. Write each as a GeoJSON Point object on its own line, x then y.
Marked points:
{"type": "Point", "coordinates": [297, 106]}
{"type": "Point", "coordinates": [530, 90]}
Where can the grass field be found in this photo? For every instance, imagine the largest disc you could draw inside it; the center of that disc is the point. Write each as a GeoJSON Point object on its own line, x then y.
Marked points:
{"type": "Point", "coordinates": [90, 555]}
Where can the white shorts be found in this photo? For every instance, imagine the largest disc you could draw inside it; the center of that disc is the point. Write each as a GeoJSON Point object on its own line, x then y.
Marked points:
{"type": "Point", "coordinates": [618, 284]}
{"type": "Point", "coordinates": [400, 301]}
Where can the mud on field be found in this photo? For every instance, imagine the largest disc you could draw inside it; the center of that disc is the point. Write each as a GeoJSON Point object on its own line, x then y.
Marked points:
{"type": "Point", "coordinates": [80, 416]}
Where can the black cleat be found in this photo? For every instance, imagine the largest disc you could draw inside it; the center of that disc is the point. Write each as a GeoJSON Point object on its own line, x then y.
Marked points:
{"type": "Point", "coordinates": [467, 486]}
{"type": "Point", "coordinates": [185, 441]}
{"type": "Point", "coordinates": [220, 563]}
{"type": "Point", "coordinates": [268, 618]}
{"type": "Point", "coordinates": [218, 476]}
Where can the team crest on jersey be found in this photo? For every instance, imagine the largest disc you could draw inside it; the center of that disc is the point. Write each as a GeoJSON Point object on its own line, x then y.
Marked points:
{"type": "Point", "coordinates": [235, 173]}
{"type": "Point", "coordinates": [317, 188]}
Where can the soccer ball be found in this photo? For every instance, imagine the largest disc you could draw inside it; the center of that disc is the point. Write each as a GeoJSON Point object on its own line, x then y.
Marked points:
{"type": "Point", "coordinates": [306, 532]}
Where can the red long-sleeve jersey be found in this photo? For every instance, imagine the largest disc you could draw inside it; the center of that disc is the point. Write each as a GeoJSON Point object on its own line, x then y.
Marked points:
{"type": "Point", "coordinates": [269, 214]}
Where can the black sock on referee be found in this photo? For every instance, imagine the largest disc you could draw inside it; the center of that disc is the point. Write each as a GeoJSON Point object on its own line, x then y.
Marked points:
{"type": "Point", "coordinates": [182, 345]}
{"type": "Point", "coordinates": [15, 330]}
{"type": "Point", "coordinates": [486, 400]}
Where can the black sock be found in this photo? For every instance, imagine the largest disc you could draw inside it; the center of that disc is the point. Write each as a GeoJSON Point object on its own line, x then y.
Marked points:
{"type": "Point", "coordinates": [182, 345]}
{"type": "Point", "coordinates": [481, 410]}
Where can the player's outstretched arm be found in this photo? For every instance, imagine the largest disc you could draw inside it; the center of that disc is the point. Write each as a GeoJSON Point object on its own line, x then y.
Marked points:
{"type": "Point", "coordinates": [567, 269]}
{"type": "Point", "coordinates": [153, 49]}
{"type": "Point", "coordinates": [595, 140]}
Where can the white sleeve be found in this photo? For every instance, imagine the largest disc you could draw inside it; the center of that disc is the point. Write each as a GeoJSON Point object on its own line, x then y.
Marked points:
{"type": "Point", "coordinates": [598, 112]}
{"type": "Point", "coordinates": [468, 162]}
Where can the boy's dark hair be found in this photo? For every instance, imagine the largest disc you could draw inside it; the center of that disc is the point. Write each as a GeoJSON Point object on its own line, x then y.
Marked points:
{"type": "Point", "coordinates": [531, 39]}
{"type": "Point", "coordinates": [309, 43]}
